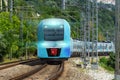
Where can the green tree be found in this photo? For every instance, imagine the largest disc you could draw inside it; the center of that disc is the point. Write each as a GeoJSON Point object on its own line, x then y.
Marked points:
{"type": "Point", "coordinates": [111, 60]}
{"type": "Point", "coordinates": [10, 33]}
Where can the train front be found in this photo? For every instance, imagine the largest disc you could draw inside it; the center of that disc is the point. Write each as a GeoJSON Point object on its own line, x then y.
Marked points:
{"type": "Point", "coordinates": [54, 40]}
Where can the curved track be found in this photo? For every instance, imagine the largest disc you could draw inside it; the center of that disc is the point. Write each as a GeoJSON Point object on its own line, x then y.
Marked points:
{"type": "Point", "coordinates": [49, 72]}
{"type": "Point", "coordinates": [22, 76]}
{"type": "Point", "coordinates": [58, 72]}
{"type": "Point", "coordinates": [42, 71]}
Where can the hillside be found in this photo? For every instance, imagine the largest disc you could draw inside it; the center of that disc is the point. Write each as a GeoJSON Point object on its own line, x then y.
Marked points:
{"type": "Point", "coordinates": [28, 16]}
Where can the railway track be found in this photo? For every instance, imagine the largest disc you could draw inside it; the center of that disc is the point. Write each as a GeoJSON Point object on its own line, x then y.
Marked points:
{"type": "Point", "coordinates": [22, 76]}
{"type": "Point", "coordinates": [11, 64]}
{"type": "Point", "coordinates": [44, 72]}
{"type": "Point", "coordinates": [58, 72]}
{"type": "Point", "coordinates": [52, 71]}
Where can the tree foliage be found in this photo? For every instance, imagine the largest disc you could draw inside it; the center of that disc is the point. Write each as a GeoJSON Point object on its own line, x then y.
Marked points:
{"type": "Point", "coordinates": [10, 41]}
{"type": "Point", "coordinates": [9, 33]}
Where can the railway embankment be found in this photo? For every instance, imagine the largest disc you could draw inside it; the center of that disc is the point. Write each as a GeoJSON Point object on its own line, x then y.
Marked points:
{"type": "Point", "coordinates": [72, 71]}
{"type": "Point", "coordinates": [95, 74]}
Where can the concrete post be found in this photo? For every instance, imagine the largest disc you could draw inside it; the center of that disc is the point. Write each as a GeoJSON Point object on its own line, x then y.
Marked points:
{"type": "Point", "coordinates": [117, 40]}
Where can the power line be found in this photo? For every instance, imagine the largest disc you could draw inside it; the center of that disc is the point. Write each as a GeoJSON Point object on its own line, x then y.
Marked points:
{"type": "Point", "coordinates": [63, 4]}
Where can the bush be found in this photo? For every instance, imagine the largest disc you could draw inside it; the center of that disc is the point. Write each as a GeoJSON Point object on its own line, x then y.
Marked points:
{"type": "Point", "coordinates": [103, 60]}
{"type": "Point", "coordinates": [111, 60]}
{"type": "Point", "coordinates": [1, 58]}
{"type": "Point", "coordinates": [108, 63]}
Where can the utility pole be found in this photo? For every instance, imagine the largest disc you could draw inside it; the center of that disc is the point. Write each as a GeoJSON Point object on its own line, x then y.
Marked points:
{"type": "Point", "coordinates": [82, 27]}
{"type": "Point", "coordinates": [107, 39]}
{"type": "Point", "coordinates": [63, 4]}
{"type": "Point", "coordinates": [11, 13]}
{"type": "Point", "coordinates": [6, 4]}
{"type": "Point", "coordinates": [117, 40]}
{"type": "Point", "coordinates": [11, 9]}
{"type": "Point", "coordinates": [85, 42]}
{"type": "Point", "coordinates": [21, 30]}
{"type": "Point", "coordinates": [1, 5]}
{"type": "Point", "coordinates": [26, 45]}
{"type": "Point", "coordinates": [88, 16]}
{"type": "Point", "coordinates": [94, 34]}
{"type": "Point", "coordinates": [87, 32]}
{"type": "Point", "coordinates": [82, 34]}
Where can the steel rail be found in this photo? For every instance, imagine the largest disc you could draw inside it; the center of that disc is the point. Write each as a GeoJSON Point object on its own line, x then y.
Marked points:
{"type": "Point", "coordinates": [11, 64]}
{"type": "Point", "coordinates": [25, 75]}
{"type": "Point", "coordinates": [58, 72]}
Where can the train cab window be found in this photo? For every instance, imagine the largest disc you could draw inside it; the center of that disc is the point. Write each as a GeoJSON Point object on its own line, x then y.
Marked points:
{"type": "Point", "coordinates": [53, 34]}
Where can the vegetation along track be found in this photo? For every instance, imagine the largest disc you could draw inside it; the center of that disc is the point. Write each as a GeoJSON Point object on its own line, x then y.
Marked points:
{"type": "Point", "coordinates": [11, 64]}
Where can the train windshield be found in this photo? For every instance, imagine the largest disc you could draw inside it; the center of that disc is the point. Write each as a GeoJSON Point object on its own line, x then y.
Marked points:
{"type": "Point", "coordinates": [54, 34]}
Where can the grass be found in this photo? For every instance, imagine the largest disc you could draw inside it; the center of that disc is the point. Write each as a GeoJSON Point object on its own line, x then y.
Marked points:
{"type": "Point", "coordinates": [6, 60]}
{"type": "Point", "coordinates": [106, 67]}
{"type": "Point", "coordinates": [107, 63]}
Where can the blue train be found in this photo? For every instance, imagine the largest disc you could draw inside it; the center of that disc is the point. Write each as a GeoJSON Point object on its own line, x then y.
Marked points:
{"type": "Point", "coordinates": [103, 48]}
{"type": "Point", "coordinates": [55, 43]}
{"type": "Point", "coordinates": [54, 40]}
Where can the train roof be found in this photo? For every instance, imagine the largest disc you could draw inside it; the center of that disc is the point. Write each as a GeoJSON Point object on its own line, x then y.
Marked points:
{"type": "Point", "coordinates": [53, 21]}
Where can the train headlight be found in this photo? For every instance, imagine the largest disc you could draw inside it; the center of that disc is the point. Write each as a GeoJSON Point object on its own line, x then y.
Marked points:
{"type": "Point", "coordinates": [45, 27]}
{"type": "Point", "coordinates": [44, 44]}
{"type": "Point", "coordinates": [62, 44]}
{"type": "Point", "coordinates": [61, 26]}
